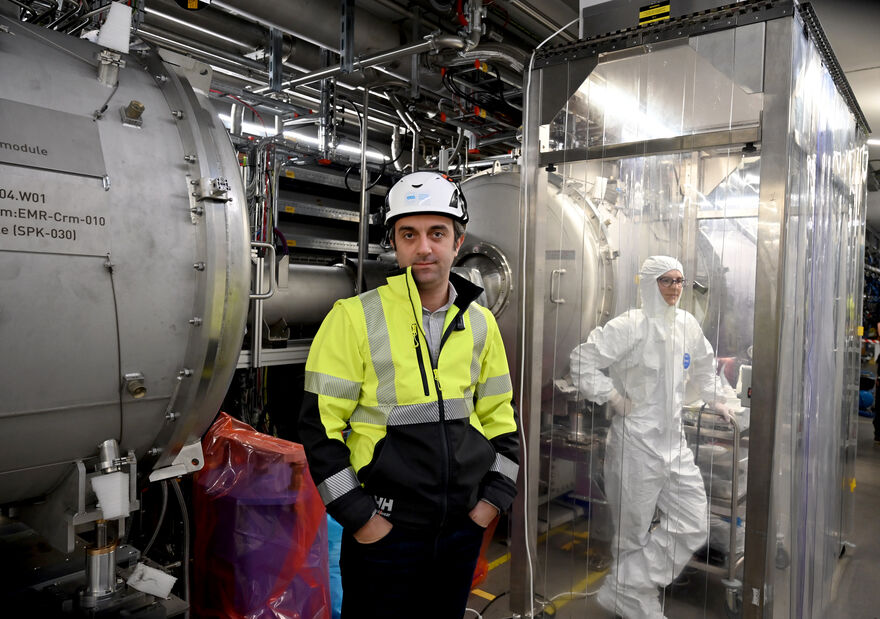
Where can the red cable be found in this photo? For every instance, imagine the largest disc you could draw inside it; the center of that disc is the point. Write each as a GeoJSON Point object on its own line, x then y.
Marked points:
{"type": "Point", "coordinates": [460, 13]}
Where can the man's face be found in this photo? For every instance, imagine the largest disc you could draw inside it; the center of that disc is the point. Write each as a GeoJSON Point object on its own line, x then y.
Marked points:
{"type": "Point", "coordinates": [670, 286]}
{"type": "Point", "coordinates": [426, 243]}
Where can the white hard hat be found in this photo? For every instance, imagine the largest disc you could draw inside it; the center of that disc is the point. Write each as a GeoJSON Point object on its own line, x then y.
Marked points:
{"type": "Point", "coordinates": [422, 193]}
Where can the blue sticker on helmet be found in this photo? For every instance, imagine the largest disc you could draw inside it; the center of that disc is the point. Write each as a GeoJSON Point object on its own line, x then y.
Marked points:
{"type": "Point", "coordinates": [687, 360]}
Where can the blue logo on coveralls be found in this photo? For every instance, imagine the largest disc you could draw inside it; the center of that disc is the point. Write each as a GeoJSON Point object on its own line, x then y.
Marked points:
{"type": "Point", "coordinates": [687, 360]}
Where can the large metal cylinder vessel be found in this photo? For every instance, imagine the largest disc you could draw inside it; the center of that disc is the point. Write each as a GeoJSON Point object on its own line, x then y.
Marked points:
{"type": "Point", "coordinates": [124, 257]}
{"type": "Point", "coordinates": [579, 266]}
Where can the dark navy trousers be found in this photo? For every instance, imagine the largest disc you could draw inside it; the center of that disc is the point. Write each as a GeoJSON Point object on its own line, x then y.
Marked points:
{"type": "Point", "coordinates": [410, 573]}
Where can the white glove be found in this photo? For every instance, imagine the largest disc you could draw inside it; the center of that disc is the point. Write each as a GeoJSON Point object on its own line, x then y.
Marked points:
{"type": "Point", "coordinates": [619, 404]}
{"type": "Point", "coordinates": [722, 408]}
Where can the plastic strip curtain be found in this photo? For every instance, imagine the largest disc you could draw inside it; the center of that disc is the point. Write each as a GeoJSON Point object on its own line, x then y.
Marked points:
{"type": "Point", "coordinates": [822, 306]}
{"type": "Point", "coordinates": [604, 216]}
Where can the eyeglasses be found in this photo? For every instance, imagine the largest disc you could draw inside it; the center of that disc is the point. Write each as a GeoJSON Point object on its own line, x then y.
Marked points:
{"type": "Point", "coordinates": [669, 282]}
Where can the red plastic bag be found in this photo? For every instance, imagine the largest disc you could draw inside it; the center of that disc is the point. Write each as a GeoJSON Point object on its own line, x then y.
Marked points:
{"type": "Point", "coordinates": [482, 569]}
{"type": "Point", "coordinates": [261, 529]}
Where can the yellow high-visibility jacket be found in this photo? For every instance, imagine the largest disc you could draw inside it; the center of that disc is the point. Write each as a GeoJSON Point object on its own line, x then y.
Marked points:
{"type": "Point", "coordinates": [387, 432]}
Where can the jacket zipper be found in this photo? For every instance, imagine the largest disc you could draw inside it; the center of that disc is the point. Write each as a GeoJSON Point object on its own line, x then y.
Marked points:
{"type": "Point", "coordinates": [418, 347]}
{"type": "Point", "coordinates": [444, 436]}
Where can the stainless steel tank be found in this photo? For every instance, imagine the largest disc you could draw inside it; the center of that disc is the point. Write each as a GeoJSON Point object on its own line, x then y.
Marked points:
{"type": "Point", "coordinates": [124, 257]}
{"type": "Point", "coordinates": [578, 262]}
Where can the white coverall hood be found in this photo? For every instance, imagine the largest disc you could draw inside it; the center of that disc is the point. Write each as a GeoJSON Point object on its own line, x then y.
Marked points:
{"type": "Point", "coordinates": [653, 303]}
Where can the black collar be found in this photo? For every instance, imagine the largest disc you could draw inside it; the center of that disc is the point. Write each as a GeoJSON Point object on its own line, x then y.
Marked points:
{"type": "Point", "coordinates": [466, 292]}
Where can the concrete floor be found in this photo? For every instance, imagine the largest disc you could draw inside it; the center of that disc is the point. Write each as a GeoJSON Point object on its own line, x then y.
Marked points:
{"type": "Point", "coordinates": [701, 595]}
{"type": "Point", "coordinates": [858, 586]}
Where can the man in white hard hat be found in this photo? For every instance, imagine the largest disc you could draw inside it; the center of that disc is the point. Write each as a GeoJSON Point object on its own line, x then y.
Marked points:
{"type": "Point", "coordinates": [649, 354]}
{"type": "Point", "coordinates": [415, 372]}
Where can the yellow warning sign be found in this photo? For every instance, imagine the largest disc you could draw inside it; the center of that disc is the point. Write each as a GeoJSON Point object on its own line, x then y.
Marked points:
{"type": "Point", "coordinates": [654, 12]}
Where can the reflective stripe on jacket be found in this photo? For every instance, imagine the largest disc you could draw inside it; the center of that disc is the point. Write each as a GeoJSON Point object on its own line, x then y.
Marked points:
{"type": "Point", "coordinates": [425, 443]}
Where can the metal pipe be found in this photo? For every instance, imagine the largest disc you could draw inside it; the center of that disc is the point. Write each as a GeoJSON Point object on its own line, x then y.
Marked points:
{"type": "Point", "coordinates": [497, 139]}
{"type": "Point", "coordinates": [165, 39]}
{"type": "Point", "coordinates": [414, 162]}
{"type": "Point", "coordinates": [395, 149]}
{"type": "Point", "coordinates": [517, 65]}
{"type": "Point", "coordinates": [542, 19]}
{"type": "Point", "coordinates": [411, 124]}
{"type": "Point", "coordinates": [432, 43]}
{"type": "Point", "coordinates": [458, 144]}
{"type": "Point", "coordinates": [364, 223]}
{"type": "Point", "coordinates": [265, 22]}
{"type": "Point", "coordinates": [65, 16]}
{"type": "Point", "coordinates": [203, 49]}
{"type": "Point", "coordinates": [475, 24]}
{"type": "Point", "coordinates": [402, 113]}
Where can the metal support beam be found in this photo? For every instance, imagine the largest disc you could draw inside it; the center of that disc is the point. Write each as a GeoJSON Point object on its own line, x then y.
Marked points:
{"type": "Point", "coordinates": [326, 136]}
{"type": "Point", "coordinates": [364, 226]}
{"type": "Point", "coordinates": [346, 35]}
{"type": "Point", "coordinates": [276, 60]}
{"type": "Point", "coordinates": [530, 317]}
{"type": "Point", "coordinates": [414, 60]}
{"type": "Point", "coordinates": [770, 268]}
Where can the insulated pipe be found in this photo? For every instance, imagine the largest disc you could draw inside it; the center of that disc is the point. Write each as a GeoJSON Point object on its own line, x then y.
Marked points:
{"type": "Point", "coordinates": [364, 224]}
{"type": "Point", "coordinates": [306, 292]}
{"type": "Point", "coordinates": [309, 292]}
{"type": "Point", "coordinates": [209, 26]}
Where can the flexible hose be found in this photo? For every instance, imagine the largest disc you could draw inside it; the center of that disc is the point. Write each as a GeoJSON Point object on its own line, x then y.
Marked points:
{"type": "Point", "coordinates": [161, 519]}
{"type": "Point", "coordinates": [185, 514]}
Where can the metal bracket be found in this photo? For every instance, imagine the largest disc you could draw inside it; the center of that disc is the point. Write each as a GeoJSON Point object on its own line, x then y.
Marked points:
{"type": "Point", "coordinates": [189, 460]}
{"type": "Point", "coordinates": [70, 505]}
{"type": "Point", "coordinates": [346, 35]}
{"type": "Point", "coordinates": [109, 64]}
{"type": "Point", "coordinates": [276, 60]}
{"type": "Point", "coordinates": [211, 189]}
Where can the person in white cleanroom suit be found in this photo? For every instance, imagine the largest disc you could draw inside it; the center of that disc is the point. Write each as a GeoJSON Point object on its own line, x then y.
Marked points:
{"type": "Point", "coordinates": [650, 353]}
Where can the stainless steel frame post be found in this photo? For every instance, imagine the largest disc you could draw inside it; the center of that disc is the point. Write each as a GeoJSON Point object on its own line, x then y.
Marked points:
{"type": "Point", "coordinates": [530, 312]}
{"type": "Point", "coordinates": [772, 211]}
{"type": "Point", "coordinates": [364, 227]}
